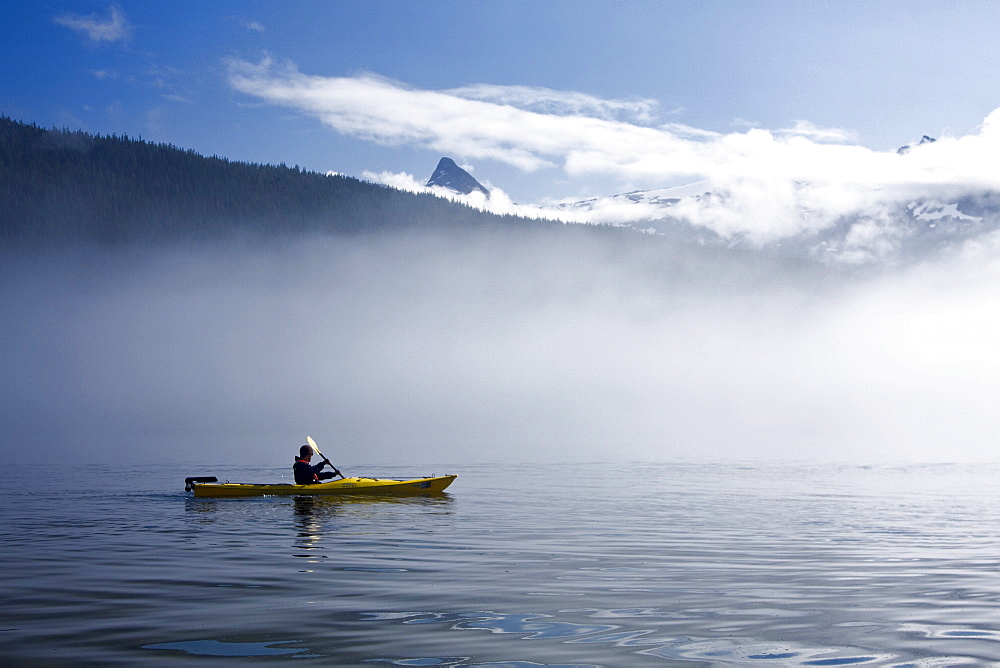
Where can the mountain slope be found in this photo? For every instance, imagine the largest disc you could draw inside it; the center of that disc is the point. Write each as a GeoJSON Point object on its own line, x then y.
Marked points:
{"type": "Point", "coordinates": [58, 186]}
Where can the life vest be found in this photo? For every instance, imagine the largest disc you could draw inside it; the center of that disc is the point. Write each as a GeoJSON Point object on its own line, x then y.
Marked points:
{"type": "Point", "coordinates": [315, 476]}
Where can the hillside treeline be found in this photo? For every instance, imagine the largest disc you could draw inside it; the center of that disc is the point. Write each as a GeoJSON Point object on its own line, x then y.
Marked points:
{"type": "Point", "coordinates": [60, 186]}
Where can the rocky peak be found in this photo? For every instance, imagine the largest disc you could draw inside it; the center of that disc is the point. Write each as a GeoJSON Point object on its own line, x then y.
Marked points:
{"type": "Point", "coordinates": [451, 176]}
{"type": "Point", "coordinates": [923, 140]}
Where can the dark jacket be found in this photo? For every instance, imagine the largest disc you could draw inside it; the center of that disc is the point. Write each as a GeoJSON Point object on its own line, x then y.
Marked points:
{"type": "Point", "coordinates": [306, 473]}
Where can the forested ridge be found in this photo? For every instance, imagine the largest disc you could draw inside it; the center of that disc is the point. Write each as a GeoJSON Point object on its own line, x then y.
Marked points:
{"type": "Point", "coordinates": [61, 186]}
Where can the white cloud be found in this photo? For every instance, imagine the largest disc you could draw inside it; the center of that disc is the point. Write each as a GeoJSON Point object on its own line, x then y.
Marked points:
{"type": "Point", "coordinates": [498, 202]}
{"type": "Point", "coordinates": [256, 26]}
{"type": "Point", "coordinates": [818, 134]}
{"type": "Point", "coordinates": [111, 29]}
{"type": "Point", "coordinates": [767, 184]}
{"type": "Point", "coordinates": [399, 181]}
{"type": "Point", "coordinates": [560, 103]}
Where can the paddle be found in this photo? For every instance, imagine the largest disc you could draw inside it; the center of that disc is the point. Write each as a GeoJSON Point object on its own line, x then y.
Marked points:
{"type": "Point", "coordinates": [312, 444]}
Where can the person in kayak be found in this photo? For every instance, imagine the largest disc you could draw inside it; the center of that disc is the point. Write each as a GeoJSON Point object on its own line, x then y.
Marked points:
{"type": "Point", "coordinates": [306, 473]}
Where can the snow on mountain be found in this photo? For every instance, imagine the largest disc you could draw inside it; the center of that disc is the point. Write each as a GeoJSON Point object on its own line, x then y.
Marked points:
{"type": "Point", "coordinates": [931, 212]}
{"type": "Point", "coordinates": [885, 231]}
{"type": "Point", "coordinates": [657, 197]}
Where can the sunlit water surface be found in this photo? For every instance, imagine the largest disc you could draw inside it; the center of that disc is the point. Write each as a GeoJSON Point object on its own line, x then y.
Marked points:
{"type": "Point", "coordinates": [623, 565]}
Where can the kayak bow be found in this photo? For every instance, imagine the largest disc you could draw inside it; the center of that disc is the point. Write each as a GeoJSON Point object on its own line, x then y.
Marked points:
{"type": "Point", "coordinates": [205, 487]}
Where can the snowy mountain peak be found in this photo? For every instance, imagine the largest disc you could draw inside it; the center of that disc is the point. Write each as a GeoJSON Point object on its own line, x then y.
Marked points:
{"type": "Point", "coordinates": [451, 176]}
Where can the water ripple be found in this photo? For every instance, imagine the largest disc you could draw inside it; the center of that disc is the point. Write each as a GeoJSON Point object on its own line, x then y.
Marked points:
{"type": "Point", "coordinates": [638, 565]}
{"type": "Point", "coordinates": [532, 626]}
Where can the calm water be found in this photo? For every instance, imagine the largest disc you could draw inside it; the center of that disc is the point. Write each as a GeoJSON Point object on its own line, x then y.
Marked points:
{"type": "Point", "coordinates": [624, 565]}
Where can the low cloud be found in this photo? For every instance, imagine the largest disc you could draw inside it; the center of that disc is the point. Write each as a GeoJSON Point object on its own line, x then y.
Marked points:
{"type": "Point", "coordinates": [498, 202]}
{"type": "Point", "coordinates": [423, 348]}
{"type": "Point", "coordinates": [769, 184]}
{"type": "Point", "coordinates": [112, 28]}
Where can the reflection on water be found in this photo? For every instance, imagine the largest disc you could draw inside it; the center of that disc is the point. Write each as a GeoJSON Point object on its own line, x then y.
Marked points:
{"type": "Point", "coordinates": [217, 648]}
{"type": "Point", "coordinates": [310, 514]}
{"type": "Point", "coordinates": [634, 565]}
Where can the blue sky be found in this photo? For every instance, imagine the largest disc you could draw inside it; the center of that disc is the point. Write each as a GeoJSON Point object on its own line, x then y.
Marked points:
{"type": "Point", "coordinates": [407, 82]}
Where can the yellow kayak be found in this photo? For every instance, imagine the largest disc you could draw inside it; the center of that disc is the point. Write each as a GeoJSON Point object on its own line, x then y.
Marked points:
{"type": "Point", "coordinates": [210, 487]}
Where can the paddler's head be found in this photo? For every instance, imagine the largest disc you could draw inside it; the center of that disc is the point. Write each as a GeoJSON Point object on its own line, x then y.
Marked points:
{"type": "Point", "coordinates": [305, 452]}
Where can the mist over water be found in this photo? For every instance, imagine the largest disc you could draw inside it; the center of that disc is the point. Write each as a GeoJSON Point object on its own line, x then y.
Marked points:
{"type": "Point", "coordinates": [429, 348]}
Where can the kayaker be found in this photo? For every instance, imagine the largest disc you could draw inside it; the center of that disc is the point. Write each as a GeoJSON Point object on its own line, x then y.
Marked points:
{"type": "Point", "coordinates": [306, 473]}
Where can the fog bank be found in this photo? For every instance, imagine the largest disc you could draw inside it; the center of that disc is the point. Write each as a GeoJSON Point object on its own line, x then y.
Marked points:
{"type": "Point", "coordinates": [425, 349]}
